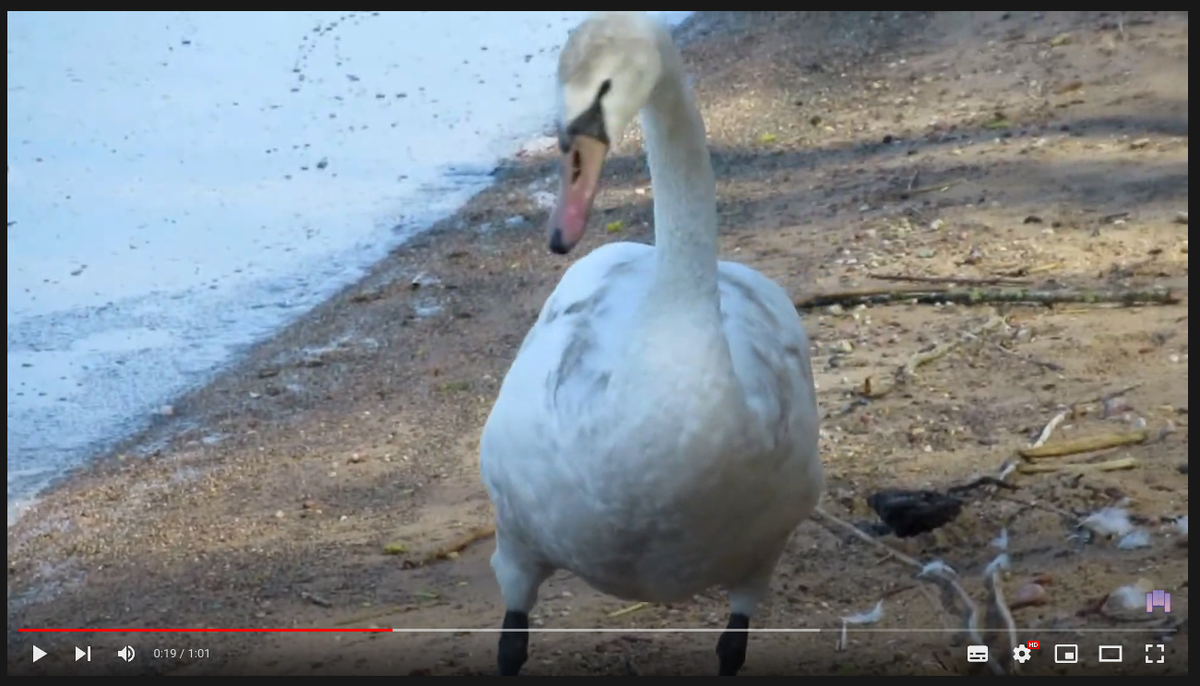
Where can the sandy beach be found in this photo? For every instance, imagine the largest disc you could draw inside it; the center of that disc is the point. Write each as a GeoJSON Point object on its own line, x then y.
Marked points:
{"type": "Point", "coordinates": [330, 477]}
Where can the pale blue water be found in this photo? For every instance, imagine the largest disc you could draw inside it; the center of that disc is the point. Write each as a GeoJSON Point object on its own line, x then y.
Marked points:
{"type": "Point", "coordinates": [181, 184]}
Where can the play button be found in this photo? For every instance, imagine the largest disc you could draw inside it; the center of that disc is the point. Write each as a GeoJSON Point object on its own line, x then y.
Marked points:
{"type": "Point", "coordinates": [38, 653]}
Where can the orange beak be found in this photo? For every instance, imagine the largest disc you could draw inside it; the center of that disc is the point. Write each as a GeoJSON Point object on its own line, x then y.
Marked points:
{"type": "Point", "coordinates": [581, 167]}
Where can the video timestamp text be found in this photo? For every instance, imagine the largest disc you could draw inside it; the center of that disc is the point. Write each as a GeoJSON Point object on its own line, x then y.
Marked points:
{"type": "Point", "coordinates": [181, 653]}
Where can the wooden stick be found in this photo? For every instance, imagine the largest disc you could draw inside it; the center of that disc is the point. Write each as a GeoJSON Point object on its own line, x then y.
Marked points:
{"type": "Point", "coordinates": [629, 610]}
{"type": "Point", "coordinates": [980, 296]}
{"type": "Point", "coordinates": [935, 188]}
{"type": "Point", "coordinates": [1052, 366]}
{"type": "Point", "coordinates": [1047, 430]}
{"type": "Point", "coordinates": [951, 588]}
{"type": "Point", "coordinates": [940, 350]}
{"type": "Point", "coordinates": [1109, 466]}
{"type": "Point", "coordinates": [1105, 397]}
{"type": "Point", "coordinates": [457, 546]}
{"type": "Point", "coordinates": [960, 280]}
{"type": "Point", "coordinates": [1089, 444]}
{"type": "Point", "coordinates": [1029, 271]}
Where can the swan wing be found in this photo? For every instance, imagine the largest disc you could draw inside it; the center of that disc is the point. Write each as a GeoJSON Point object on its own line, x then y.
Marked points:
{"type": "Point", "coordinates": [771, 358]}
{"type": "Point", "coordinates": [566, 359]}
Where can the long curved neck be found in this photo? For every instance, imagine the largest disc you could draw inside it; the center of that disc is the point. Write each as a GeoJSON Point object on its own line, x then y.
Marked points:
{"type": "Point", "coordinates": [684, 187]}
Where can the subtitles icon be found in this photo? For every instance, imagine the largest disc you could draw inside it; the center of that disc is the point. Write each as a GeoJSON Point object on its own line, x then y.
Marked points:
{"type": "Point", "coordinates": [977, 653]}
{"type": "Point", "coordinates": [1158, 599]}
{"type": "Point", "coordinates": [1066, 653]}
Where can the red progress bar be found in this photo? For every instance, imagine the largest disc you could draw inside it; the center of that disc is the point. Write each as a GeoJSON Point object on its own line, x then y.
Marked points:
{"type": "Point", "coordinates": [203, 631]}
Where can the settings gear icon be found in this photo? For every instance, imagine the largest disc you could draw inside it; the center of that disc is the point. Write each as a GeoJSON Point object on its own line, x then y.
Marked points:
{"type": "Point", "coordinates": [1021, 653]}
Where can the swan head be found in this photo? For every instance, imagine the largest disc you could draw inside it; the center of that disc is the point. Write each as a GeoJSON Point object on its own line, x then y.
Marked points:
{"type": "Point", "coordinates": [607, 71]}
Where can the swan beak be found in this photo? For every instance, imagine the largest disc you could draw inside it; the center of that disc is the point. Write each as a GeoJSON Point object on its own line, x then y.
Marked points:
{"type": "Point", "coordinates": [581, 167]}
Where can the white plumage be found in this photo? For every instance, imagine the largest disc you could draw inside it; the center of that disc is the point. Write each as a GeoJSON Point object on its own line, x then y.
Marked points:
{"type": "Point", "coordinates": [657, 433]}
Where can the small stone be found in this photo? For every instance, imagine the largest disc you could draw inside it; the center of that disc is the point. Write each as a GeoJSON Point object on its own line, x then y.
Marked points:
{"type": "Point", "coordinates": [1139, 144]}
{"type": "Point", "coordinates": [1181, 218]}
{"type": "Point", "coordinates": [835, 310]}
{"type": "Point", "coordinates": [279, 514]}
{"type": "Point", "coordinates": [166, 411]}
{"type": "Point", "coordinates": [937, 224]}
{"type": "Point", "coordinates": [1029, 595]}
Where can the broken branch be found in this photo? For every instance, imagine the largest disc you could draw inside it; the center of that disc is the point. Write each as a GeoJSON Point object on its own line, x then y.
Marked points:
{"type": "Point", "coordinates": [960, 280]}
{"type": "Point", "coordinates": [980, 296]}
{"type": "Point", "coordinates": [1109, 466]}
{"type": "Point", "coordinates": [1089, 444]}
{"type": "Point", "coordinates": [1052, 366]}
{"type": "Point", "coordinates": [952, 590]}
{"type": "Point", "coordinates": [449, 551]}
{"type": "Point", "coordinates": [941, 349]}
{"type": "Point", "coordinates": [1047, 430]}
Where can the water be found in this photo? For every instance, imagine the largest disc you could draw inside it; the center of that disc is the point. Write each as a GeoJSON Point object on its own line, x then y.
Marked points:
{"type": "Point", "coordinates": [182, 184]}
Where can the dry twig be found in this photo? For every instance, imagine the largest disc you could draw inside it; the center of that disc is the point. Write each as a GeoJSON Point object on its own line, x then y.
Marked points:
{"type": "Point", "coordinates": [940, 350]}
{"type": "Point", "coordinates": [942, 576]}
{"type": "Point", "coordinates": [1089, 444]}
{"type": "Point", "coordinates": [980, 296]}
{"type": "Point", "coordinates": [448, 551]}
{"type": "Point", "coordinates": [629, 610]}
{"type": "Point", "coordinates": [1047, 430]}
{"type": "Point", "coordinates": [960, 280]}
{"type": "Point", "coordinates": [1052, 366]}
{"type": "Point", "coordinates": [1109, 466]}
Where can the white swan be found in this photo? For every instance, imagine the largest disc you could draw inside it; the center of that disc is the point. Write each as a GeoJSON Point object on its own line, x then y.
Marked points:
{"type": "Point", "coordinates": [657, 433]}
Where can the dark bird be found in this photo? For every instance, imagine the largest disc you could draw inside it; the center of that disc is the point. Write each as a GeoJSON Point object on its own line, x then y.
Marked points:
{"type": "Point", "coordinates": [911, 513]}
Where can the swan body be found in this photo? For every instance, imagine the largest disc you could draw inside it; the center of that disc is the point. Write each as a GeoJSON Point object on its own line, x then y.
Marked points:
{"type": "Point", "coordinates": [657, 433]}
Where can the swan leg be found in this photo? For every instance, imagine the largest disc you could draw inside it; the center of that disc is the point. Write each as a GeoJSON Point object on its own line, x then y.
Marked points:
{"type": "Point", "coordinates": [731, 647]}
{"type": "Point", "coordinates": [514, 645]}
{"type": "Point", "coordinates": [743, 602]}
{"type": "Point", "coordinates": [519, 580]}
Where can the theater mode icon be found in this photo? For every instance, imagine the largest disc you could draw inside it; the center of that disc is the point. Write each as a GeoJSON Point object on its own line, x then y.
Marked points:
{"type": "Point", "coordinates": [1158, 599]}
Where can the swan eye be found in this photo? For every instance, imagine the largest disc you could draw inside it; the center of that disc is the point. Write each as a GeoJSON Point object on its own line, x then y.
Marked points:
{"type": "Point", "coordinates": [604, 88]}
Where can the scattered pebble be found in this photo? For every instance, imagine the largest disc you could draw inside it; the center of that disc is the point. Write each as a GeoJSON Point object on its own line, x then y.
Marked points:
{"type": "Point", "coordinates": [1029, 595]}
{"type": "Point", "coordinates": [1181, 218]}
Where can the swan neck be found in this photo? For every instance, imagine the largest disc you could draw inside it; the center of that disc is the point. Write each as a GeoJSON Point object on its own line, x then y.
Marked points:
{"type": "Point", "coordinates": [684, 187]}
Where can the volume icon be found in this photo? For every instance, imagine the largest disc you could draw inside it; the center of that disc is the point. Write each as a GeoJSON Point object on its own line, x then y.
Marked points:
{"type": "Point", "coordinates": [126, 653]}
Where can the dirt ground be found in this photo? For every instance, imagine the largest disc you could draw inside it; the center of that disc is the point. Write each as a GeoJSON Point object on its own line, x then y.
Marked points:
{"type": "Point", "coordinates": [312, 484]}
